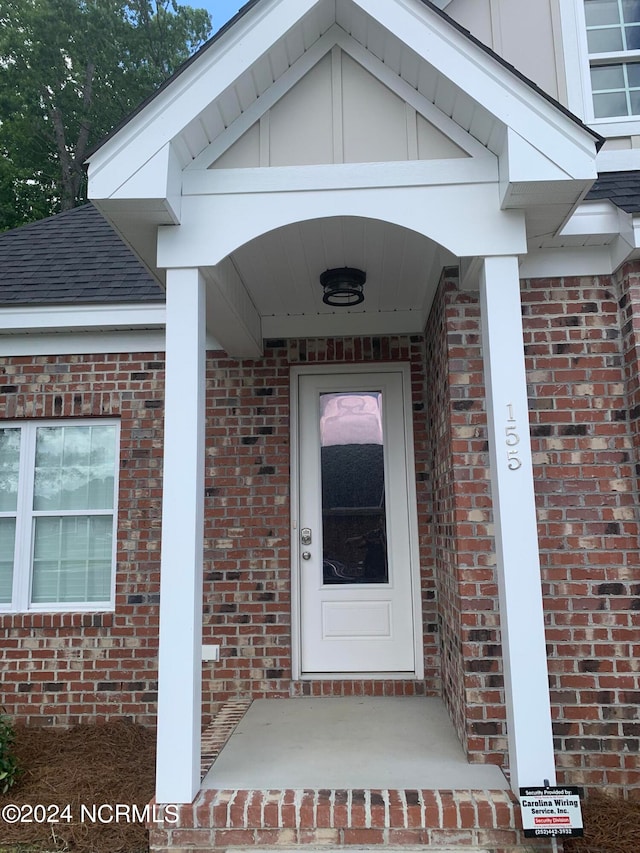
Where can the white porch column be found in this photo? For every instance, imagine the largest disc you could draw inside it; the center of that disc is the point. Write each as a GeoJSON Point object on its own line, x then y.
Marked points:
{"type": "Point", "coordinates": [180, 661]}
{"type": "Point", "coordinates": [521, 616]}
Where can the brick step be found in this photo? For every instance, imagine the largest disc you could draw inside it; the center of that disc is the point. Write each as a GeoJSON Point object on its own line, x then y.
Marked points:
{"type": "Point", "coordinates": [438, 821]}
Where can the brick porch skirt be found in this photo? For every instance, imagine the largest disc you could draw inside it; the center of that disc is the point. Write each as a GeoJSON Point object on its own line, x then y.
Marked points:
{"type": "Point", "coordinates": [431, 820]}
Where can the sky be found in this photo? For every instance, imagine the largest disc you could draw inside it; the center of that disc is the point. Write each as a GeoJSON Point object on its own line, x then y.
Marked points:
{"type": "Point", "coordinates": [220, 10]}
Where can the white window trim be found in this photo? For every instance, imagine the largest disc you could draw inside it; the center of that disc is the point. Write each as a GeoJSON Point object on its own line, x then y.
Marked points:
{"type": "Point", "coordinates": [24, 514]}
{"type": "Point", "coordinates": [578, 74]}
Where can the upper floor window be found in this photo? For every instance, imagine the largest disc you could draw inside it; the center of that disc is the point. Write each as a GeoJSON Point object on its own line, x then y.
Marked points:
{"type": "Point", "coordinates": [613, 40]}
{"type": "Point", "coordinates": [57, 515]}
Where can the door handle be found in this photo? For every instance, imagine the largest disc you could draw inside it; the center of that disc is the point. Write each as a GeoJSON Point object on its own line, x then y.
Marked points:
{"type": "Point", "coordinates": [306, 555]}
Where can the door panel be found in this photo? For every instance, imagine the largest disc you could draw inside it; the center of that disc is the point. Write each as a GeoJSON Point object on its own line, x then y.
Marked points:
{"type": "Point", "coordinates": [357, 612]}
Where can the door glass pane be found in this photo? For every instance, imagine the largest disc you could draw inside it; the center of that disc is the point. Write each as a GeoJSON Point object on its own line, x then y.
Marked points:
{"type": "Point", "coordinates": [354, 527]}
{"type": "Point", "coordinates": [9, 468]}
{"type": "Point", "coordinates": [74, 468]}
{"type": "Point", "coordinates": [7, 542]}
{"type": "Point", "coordinates": [72, 559]}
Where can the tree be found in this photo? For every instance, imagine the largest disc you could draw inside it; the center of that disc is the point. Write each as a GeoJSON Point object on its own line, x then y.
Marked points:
{"type": "Point", "coordinates": [70, 70]}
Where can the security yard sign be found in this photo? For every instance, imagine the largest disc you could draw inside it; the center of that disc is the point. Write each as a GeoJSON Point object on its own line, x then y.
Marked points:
{"type": "Point", "coordinates": [551, 811]}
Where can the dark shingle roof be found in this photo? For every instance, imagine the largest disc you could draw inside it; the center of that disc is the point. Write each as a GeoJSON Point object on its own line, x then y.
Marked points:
{"type": "Point", "coordinates": [622, 188]}
{"type": "Point", "coordinates": [75, 256]}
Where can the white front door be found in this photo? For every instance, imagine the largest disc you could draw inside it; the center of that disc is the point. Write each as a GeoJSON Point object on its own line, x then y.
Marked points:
{"type": "Point", "coordinates": [356, 530]}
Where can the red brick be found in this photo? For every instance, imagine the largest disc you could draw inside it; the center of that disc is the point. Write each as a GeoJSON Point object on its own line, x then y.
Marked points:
{"type": "Point", "coordinates": [363, 836]}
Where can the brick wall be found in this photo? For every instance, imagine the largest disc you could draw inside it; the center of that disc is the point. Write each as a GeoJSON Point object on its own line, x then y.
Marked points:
{"type": "Point", "coordinates": [583, 394]}
{"type": "Point", "coordinates": [68, 668]}
{"type": "Point", "coordinates": [580, 337]}
{"type": "Point", "coordinates": [247, 535]}
{"type": "Point", "coordinates": [582, 362]}
{"type": "Point", "coordinates": [465, 563]}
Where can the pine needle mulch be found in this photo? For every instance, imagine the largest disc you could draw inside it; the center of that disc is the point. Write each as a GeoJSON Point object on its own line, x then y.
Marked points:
{"type": "Point", "coordinates": [114, 763]}
{"type": "Point", "coordinates": [611, 826]}
{"type": "Point", "coordinates": [100, 765]}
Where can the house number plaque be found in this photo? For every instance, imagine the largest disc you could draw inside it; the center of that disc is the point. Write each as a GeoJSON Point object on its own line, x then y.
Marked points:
{"type": "Point", "coordinates": [512, 440]}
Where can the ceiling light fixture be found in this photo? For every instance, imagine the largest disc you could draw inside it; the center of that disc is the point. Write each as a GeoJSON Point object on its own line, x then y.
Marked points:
{"type": "Point", "coordinates": [343, 287]}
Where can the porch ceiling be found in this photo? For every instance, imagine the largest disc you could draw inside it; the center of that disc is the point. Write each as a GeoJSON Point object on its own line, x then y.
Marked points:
{"type": "Point", "coordinates": [281, 272]}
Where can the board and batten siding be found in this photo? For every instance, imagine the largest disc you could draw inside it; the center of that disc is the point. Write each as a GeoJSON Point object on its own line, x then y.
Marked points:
{"type": "Point", "coordinates": [333, 116]}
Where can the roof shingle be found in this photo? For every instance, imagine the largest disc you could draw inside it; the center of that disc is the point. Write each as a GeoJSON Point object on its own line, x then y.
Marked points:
{"type": "Point", "coordinates": [622, 188]}
{"type": "Point", "coordinates": [75, 256]}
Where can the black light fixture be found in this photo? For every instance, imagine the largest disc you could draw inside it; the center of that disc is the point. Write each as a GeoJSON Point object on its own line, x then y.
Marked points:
{"type": "Point", "coordinates": [343, 287]}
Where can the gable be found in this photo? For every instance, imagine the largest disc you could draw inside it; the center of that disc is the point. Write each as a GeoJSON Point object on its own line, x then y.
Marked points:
{"type": "Point", "coordinates": [339, 112]}
{"type": "Point", "coordinates": [336, 96]}
{"type": "Point", "coordinates": [412, 49]}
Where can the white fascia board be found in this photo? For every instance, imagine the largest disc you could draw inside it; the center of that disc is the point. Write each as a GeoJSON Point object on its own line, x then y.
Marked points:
{"type": "Point", "coordinates": [621, 250]}
{"type": "Point", "coordinates": [82, 317]}
{"type": "Point", "coordinates": [339, 176]}
{"type": "Point", "coordinates": [557, 263]}
{"type": "Point", "coordinates": [81, 343]}
{"type": "Point", "coordinates": [522, 165]}
{"type": "Point", "coordinates": [598, 218]}
{"type": "Point", "coordinates": [159, 181]}
{"type": "Point", "coordinates": [485, 80]}
{"type": "Point", "coordinates": [191, 92]}
{"type": "Point", "coordinates": [464, 218]}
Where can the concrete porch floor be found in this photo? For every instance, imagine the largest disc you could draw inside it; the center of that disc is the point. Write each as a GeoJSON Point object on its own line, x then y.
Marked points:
{"type": "Point", "coordinates": [348, 743]}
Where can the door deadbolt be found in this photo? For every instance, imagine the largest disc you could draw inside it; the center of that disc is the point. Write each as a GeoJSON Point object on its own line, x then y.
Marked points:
{"type": "Point", "coordinates": [305, 536]}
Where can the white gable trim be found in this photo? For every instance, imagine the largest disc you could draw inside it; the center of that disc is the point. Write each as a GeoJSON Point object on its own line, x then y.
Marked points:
{"type": "Point", "coordinates": [163, 172]}
{"type": "Point", "coordinates": [190, 93]}
{"type": "Point", "coordinates": [269, 99]}
{"type": "Point", "coordinates": [408, 94]}
{"type": "Point", "coordinates": [475, 72]}
{"type": "Point", "coordinates": [336, 37]}
{"type": "Point", "coordinates": [341, 176]}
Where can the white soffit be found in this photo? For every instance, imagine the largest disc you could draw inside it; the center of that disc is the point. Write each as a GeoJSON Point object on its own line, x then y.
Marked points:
{"type": "Point", "coordinates": [596, 240]}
